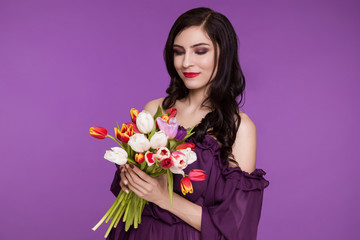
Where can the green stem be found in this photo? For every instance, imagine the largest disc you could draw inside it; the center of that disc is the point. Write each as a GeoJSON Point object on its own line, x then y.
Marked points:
{"type": "Point", "coordinates": [115, 140]}
{"type": "Point", "coordinates": [121, 210]}
{"type": "Point", "coordinates": [127, 209]}
{"type": "Point", "coordinates": [116, 204]}
{"type": "Point", "coordinates": [103, 218]}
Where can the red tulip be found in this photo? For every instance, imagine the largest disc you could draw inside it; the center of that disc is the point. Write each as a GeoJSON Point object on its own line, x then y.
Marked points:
{"type": "Point", "coordinates": [134, 113]}
{"type": "Point", "coordinates": [133, 127]}
{"type": "Point", "coordinates": [186, 145]}
{"type": "Point", "coordinates": [172, 112]}
{"type": "Point", "coordinates": [139, 157]}
{"type": "Point", "coordinates": [98, 132]}
{"type": "Point", "coordinates": [197, 175]}
{"type": "Point", "coordinates": [125, 133]}
{"type": "Point", "coordinates": [149, 158]}
{"type": "Point", "coordinates": [186, 186]}
{"type": "Point", "coordinates": [166, 163]}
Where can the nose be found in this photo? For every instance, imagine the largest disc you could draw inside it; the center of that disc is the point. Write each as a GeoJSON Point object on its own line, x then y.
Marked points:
{"type": "Point", "coordinates": [187, 61]}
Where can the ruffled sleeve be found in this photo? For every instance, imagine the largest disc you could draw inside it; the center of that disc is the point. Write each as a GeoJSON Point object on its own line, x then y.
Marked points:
{"type": "Point", "coordinates": [232, 202]}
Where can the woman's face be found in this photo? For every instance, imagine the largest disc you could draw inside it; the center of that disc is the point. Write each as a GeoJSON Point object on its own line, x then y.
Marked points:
{"type": "Point", "coordinates": [194, 57]}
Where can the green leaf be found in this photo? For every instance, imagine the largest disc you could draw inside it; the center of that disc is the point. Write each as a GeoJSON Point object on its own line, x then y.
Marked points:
{"type": "Point", "coordinates": [157, 173]}
{"type": "Point", "coordinates": [172, 144]}
{"type": "Point", "coordinates": [189, 132]}
{"type": "Point", "coordinates": [118, 125]}
{"type": "Point", "coordinates": [158, 113]}
{"type": "Point", "coordinates": [153, 130]}
{"type": "Point", "coordinates": [170, 185]}
{"type": "Point", "coordinates": [131, 161]}
{"type": "Point", "coordinates": [143, 165]}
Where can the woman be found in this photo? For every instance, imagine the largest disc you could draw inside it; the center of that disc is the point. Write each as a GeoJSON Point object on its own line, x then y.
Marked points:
{"type": "Point", "coordinates": [201, 56]}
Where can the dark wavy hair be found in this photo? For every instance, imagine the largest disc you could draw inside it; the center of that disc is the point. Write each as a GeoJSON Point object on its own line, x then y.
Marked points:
{"type": "Point", "coordinates": [226, 90]}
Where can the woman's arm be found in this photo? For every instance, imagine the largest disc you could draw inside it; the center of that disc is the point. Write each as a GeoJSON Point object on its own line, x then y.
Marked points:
{"type": "Point", "coordinates": [244, 148]}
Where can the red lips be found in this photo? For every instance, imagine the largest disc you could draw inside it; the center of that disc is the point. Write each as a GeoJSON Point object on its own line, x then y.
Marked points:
{"type": "Point", "coordinates": [190, 74]}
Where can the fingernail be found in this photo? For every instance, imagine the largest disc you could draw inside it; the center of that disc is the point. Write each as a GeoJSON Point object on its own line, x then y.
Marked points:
{"type": "Point", "coordinates": [125, 182]}
{"type": "Point", "coordinates": [132, 166]}
{"type": "Point", "coordinates": [127, 191]}
{"type": "Point", "coordinates": [127, 166]}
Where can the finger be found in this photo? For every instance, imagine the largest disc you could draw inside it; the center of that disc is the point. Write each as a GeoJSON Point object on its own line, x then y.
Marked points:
{"type": "Point", "coordinates": [136, 191]}
{"type": "Point", "coordinates": [141, 174]}
{"type": "Point", "coordinates": [123, 177]}
{"type": "Point", "coordinates": [123, 181]}
{"type": "Point", "coordinates": [124, 187]}
{"type": "Point", "coordinates": [139, 182]}
{"type": "Point", "coordinates": [135, 184]}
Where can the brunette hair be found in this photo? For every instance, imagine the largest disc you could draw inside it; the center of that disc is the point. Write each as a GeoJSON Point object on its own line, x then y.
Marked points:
{"type": "Point", "coordinates": [226, 87]}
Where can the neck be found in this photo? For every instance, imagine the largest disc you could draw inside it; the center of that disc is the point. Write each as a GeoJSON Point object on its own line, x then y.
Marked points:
{"type": "Point", "coordinates": [195, 99]}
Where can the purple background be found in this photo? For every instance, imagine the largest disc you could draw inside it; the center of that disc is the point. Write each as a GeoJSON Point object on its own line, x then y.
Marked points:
{"type": "Point", "coordinates": [68, 65]}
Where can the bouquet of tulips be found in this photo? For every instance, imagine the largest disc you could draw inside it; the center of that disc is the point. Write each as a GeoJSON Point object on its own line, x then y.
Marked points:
{"type": "Point", "coordinates": [157, 146]}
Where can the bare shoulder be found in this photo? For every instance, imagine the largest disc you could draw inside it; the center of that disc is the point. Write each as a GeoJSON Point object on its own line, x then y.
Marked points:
{"type": "Point", "coordinates": [153, 105]}
{"type": "Point", "coordinates": [244, 148]}
{"type": "Point", "coordinates": [247, 126]}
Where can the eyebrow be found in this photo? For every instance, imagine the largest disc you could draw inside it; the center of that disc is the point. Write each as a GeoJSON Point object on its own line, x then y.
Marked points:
{"type": "Point", "coordinates": [195, 45]}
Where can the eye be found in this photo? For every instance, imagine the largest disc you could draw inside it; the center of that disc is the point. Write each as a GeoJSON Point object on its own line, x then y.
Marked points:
{"type": "Point", "coordinates": [201, 52]}
{"type": "Point", "coordinates": [177, 52]}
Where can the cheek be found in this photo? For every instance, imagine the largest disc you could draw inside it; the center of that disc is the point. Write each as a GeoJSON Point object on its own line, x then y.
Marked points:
{"type": "Point", "coordinates": [177, 63]}
{"type": "Point", "coordinates": [207, 63]}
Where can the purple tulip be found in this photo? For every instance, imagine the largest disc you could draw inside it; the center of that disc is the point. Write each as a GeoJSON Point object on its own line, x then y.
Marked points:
{"type": "Point", "coordinates": [180, 134]}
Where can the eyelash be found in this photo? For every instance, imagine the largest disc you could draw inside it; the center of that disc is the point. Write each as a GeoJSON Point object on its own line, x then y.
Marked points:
{"type": "Point", "coordinates": [177, 53]}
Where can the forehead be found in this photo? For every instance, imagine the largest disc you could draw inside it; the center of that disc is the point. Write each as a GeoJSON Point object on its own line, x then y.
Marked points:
{"type": "Point", "coordinates": [192, 35]}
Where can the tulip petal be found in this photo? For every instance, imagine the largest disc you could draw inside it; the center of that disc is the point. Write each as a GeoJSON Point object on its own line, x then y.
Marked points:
{"type": "Point", "coordinates": [98, 132]}
{"type": "Point", "coordinates": [186, 186]}
{"type": "Point", "coordinates": [134, 113]}
{"type": "Point", "coordinates": [197, 175]}
{"type": "Point", "coordinates": [149, 158]}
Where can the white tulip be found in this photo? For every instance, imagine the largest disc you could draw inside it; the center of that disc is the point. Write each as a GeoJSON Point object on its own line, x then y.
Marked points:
{"type": "Point", "coordinates": [190, 155]}
{"type": "Point", "coordinates": [144, 122]}
{"type": "Point", "coordinates": [176, 170]}
{"type": "Point", "coordinates": [116, 155]}
{"type": "Point", "coordinates": [139, 143]}
{"type": "Point", "coordinates": [158, 140]}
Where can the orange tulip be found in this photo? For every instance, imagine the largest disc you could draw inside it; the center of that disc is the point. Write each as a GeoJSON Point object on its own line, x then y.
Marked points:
{"type": "Point", "coordinates": [186, 186]}
{"type": "Point", "coordinates": [165, 117]}
{"type": "Point", "coordinates": [139, 157]}
{"type": "Point", "coordinates": [125, 133]}
{"type": "Point", "coordinates": [134, 113]}
{"type": "Point", "coordinates": [98, 132]}
{"type": "Point", "coordinates": [197, 175]}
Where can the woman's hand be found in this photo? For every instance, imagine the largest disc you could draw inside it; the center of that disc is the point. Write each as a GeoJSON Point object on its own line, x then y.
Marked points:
{"type": "Point", "coordinates": [156, 190]}
{"type": "Point", "coordinates": [151, 189]}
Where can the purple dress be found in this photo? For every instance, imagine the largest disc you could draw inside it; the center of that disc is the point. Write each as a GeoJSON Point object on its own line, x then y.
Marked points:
{"type": "Point", "coordinates": [231, 202]}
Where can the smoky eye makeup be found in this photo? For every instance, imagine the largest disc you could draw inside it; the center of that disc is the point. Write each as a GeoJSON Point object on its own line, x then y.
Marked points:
{"type": "Point", "coordinates": [177, 52]}
{"type": "Point", "coordinates": [197, 51]}
{"type": "Point", "coordinates": [201, 51]}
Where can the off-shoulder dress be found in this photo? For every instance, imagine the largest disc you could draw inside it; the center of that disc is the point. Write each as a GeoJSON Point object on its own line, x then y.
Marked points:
{"type": "Point", "coordinates": [231, 201]}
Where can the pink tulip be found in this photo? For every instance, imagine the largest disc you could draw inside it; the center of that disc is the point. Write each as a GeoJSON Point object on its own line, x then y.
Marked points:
{"type": "Point", "coordinates": [170, 128]}
{"type": "Point", "coordinates": [197, 175]}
